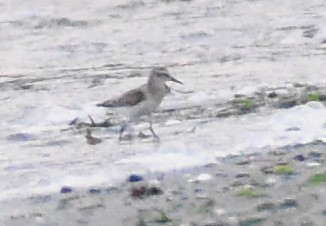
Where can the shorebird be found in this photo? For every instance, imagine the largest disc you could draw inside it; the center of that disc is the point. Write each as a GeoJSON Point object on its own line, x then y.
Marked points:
{"type": "Point", "coordinates": [143, 100]}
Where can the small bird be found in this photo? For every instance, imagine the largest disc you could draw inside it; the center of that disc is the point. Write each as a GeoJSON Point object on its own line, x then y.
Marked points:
{"type": "Point", "coordinates": [144, 100]}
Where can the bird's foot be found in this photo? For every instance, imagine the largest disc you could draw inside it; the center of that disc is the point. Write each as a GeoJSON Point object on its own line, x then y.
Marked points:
{"type": "Point", "coordinates": [126, 137]}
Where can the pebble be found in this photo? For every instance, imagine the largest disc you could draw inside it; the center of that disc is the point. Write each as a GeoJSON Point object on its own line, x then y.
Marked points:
{"type": "Point", "coordinates": [204, 177]}
{"type": "Point", "coordinates": [271, 180]}
{"type": "Point", "coordinates": [289, 203]}
{"type": "Point", "coordinates": [139, 192]}
{"type": "Point", "coordinates": [312, 164]}
{"type": "Point", "coordinates": [314, 155]}
{"type": "Point", "coordinates": [242, 175]}
{"type": "Point", "coordinates": [94, 191]}
{"type": "Point", "coordinates": [267, 206]}
{"type": "Point", "coordinates": [243, 162]}
{"type": "Point", "coordinates": [219, 212]}
{"type": "Point", "coordinates": [135, 178]}
{"type": "Point", "coordinates": [299, 157]}
{"type": "Point", "coordinates": [272, 95]}
{"type": "Point", "coordinates": [66, 189]}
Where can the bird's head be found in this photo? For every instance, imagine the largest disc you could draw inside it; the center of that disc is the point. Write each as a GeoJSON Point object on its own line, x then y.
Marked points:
{"type": "Point", "coordinates": [162, 74]}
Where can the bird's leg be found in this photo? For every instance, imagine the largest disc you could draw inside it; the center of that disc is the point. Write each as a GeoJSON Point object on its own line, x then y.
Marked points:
{"type": "Point", "coordinates": [152, 130]}
{"type": "Point", "coordinates": [122, 129]}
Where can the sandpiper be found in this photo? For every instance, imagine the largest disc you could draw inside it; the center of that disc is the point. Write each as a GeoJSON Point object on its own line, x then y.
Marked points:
{"type": "Point", "coordinates": [144, 100]}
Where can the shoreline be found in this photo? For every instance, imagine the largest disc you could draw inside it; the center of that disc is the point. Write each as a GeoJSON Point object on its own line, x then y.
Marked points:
{"type": "Point", "coordinates": [284, 186]}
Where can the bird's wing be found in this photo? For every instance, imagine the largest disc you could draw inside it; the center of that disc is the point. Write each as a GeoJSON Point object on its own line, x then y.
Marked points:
{"type": "Point", "coordinates": [127, 99]}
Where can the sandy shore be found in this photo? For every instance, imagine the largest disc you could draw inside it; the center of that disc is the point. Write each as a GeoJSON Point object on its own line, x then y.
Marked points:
{"type": "Point", "coordinates": [278, 187]}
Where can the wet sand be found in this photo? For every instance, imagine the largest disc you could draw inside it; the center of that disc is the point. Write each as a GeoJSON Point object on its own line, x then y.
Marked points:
{"type": "Point", "coordinates": [279, 187]}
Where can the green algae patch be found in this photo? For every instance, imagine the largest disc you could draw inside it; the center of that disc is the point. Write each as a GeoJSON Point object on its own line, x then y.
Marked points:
{"type": "Point", "coordinates": [283, 169]}
{"type": "Point", "coordinates": [318, 178]}
{"type": "Point", "coordinates": [314, 97]}
{"type": "Point", "coordinates": [248, 193]}
{"type": "Point", "coordinates": [163, 219]}
{"type": "Point", "coordinates": [247, 104]}
{"type": "Point", "coordinates": [251, 221]}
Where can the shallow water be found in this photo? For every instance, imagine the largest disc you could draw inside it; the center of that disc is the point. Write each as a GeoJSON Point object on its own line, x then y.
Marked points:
{"type": "Point", "coordinates": [59, 58]}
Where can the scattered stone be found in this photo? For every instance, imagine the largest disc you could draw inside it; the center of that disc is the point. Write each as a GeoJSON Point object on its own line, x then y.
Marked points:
{"type": "Point", "coordinates": [142, 191]}
{"type": "Point", "coordinates": [289, 203]}
{"type": "Point", "coordinates": [293, 129]}
{"type": "Point", "coordinates": [135, 178]}
{"type": "Point", "coordinates": [314, 155]}
{"type": "Point", "coordinates": [242, 175]}
{"type": "Point", "coordinates": [66, 189]}
{"type": "Point", "coordinates": [272, 95]}
{"type": "Point", "coordinates": [204, 177]}
{"type": "Point", "coordinates": [244, 162]}
{"type": "Point", "coordinates": [299, 157]}
{"type": "Point", "coordinates": [154, 191]}
{"type": "Point", "coordinates": [287, 104]}
{"type": "Point", "coordinates": [94, 191]}
{"type": "Point", "coordinates": [267, 206]}
{"type": "Point", "coordinates": [312, 164]}
{"type": "Point", "coordinates": [267, 170]}
{"type": "Point", "coordinates": [310, 32]}
{"type": "Point", "coordinates": [138, 192]}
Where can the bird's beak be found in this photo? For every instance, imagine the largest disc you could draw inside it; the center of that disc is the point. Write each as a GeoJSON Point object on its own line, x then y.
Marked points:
{"type": "Point", "coordinates": [175, 80]}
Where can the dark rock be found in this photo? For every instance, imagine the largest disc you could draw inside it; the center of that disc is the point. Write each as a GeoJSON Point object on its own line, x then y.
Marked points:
{"type": "Point", "coordinates": [142, 191]}
{"type": "Point", "coordinates": [66, 189]}
{"type": "Point", "coordinates": [242, 175]}
{"type": "Point", "coordinates": [267, 170]}
{"type": "Point", "coordinates": [94, 191]}
{"type": "Point", "coordinates": [289, 203]}
{"type": "Point", "coordinates": [299, 157]}
{"type": "Point", "coordinates": [310, 32]}
{"type": "Point", "coordinates": [314, 155]}
{"type": "Point", "coordinates": [293, 129]}
{"type": "Point", "coordinates": [323, 213]}
{"type": "Point", "coordinates": [272, 95]}
{"type": "Point", "coordinates": [138, 192]}
{"type": "Point", "coordinates": [287, 104]}
{"type": "Point", "coordinates": [267, 206]}
{"type": "Point", "coordinates": [154, 191]}
{"type": "Point", "coordinates": [244, 162]}
{"type": "Point", "coordinates": [135, 178]}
